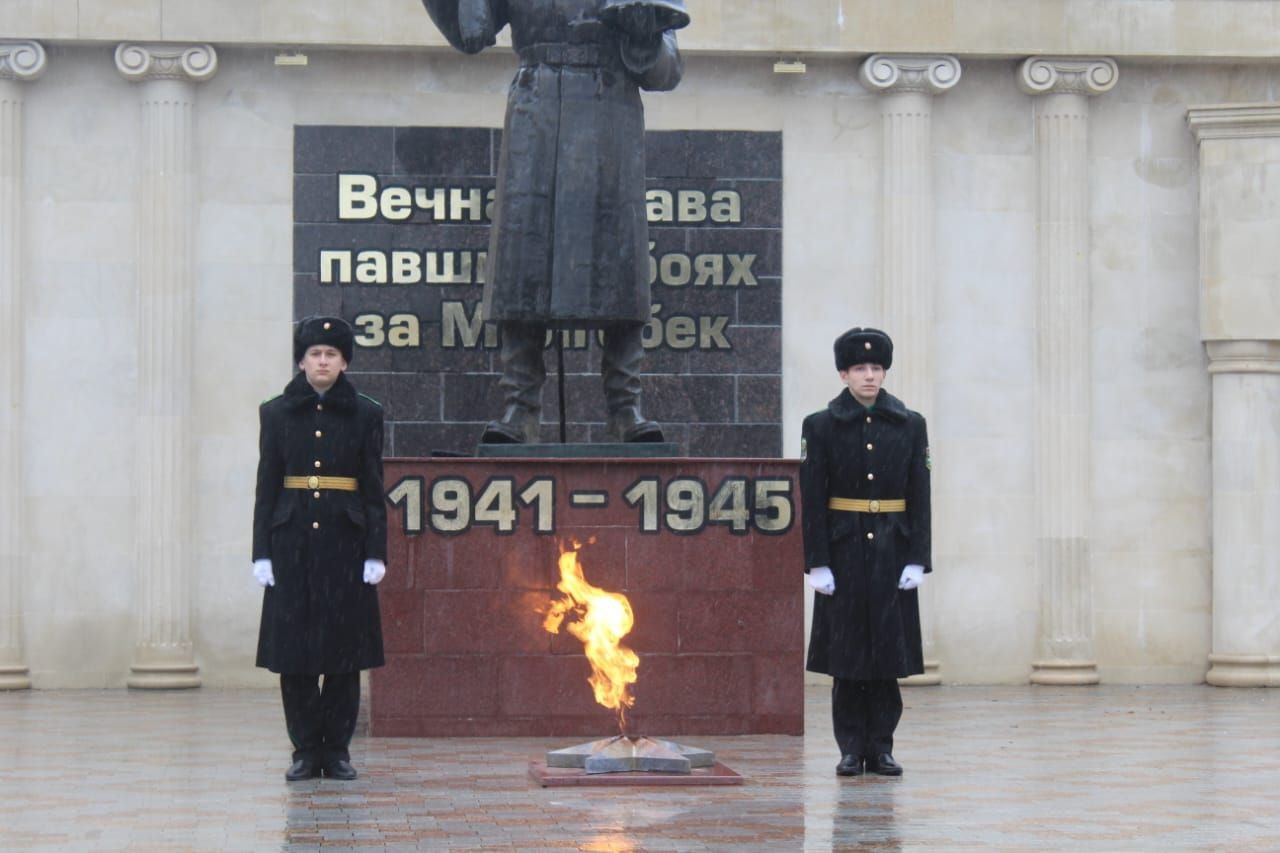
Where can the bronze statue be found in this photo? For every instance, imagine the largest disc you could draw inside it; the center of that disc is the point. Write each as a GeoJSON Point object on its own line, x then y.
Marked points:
{"type": "Point", "coordinates": [569, 246]}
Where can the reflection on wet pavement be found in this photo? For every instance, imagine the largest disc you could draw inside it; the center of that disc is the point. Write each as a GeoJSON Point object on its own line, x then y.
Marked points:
{"type": "Point", "coordinates": [1109, 767]}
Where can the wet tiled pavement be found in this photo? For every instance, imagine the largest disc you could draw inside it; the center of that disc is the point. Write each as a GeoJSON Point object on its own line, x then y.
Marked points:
{"type": "Point", "coordinates": [1106, 768]}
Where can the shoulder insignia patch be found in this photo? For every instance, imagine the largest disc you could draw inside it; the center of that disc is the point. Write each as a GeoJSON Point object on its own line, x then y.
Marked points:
{"type": "Point", "coordinates": [371, 400]}
{"type": "Point", "coordinates": [804, 449]}
{"type": "Point", "coordinates": [928, 459]}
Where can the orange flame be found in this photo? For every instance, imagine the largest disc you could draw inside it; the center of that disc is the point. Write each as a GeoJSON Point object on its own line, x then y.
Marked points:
{"type": "Point", "coordinates": [604, 618]}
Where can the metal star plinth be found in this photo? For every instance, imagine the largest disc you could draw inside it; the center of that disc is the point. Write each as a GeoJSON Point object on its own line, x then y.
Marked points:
{"type": "Point", "coordinates": [621, 754]}
{"type": "Point", "coordinates": [624, 760]}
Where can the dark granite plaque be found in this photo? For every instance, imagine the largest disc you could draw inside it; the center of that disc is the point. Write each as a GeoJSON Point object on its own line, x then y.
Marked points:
{"type": "Point", "coordinates": [391, 229]}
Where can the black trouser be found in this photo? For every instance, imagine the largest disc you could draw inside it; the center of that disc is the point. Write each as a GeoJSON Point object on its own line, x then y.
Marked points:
{"type": "Point", "coordinates": [865, 714]}
{"type": "Point", "coordinates": [321, 721]}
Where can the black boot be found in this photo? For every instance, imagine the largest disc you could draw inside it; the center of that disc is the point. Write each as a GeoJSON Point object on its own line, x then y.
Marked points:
{"type": "Point", "coordinates": [850, 765]}
{"type": "Point", "coordinates": [517, 425]}
{"type": "Point", "coordinates": [302, 768]}
{"type": "Point", "coordinates": [523, 373]}
{"type": "Point", "coordinates": [627, 424]}
{"type": "Point", "coordinates": [620, 370]}
{"type": "Point", "coordinates": [340, 768]}
{"type": "Point", "coordinates": [884, 765]}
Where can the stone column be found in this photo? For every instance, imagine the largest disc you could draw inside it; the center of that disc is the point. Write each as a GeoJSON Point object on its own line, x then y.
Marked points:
{"type": "Point", "coordinates": [19, 61]}
{"type": "Point", "coordinates": [1240, 325]}
{"type": "Point", "coordinates": [166, 75]}
{"type": "Point", "coordinates": [907, 264]}
{"type": "Point", "coordinates": [1063, 485]}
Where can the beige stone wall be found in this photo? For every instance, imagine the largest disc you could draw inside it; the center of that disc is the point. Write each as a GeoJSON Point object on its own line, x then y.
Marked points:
{"type": "Point", "coordinates": [1150, 429]}
{"type": "Point", "coordinates": [82, 221]}
{"type": "Point", "coordinates": [1120, 28]}
{"type": "Point", "coordinates": [1151, 405]}
{"type": "Point", "coordinates": [82, 140]}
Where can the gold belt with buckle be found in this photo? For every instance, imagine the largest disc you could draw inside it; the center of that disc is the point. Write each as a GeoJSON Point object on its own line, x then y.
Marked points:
{"type": "Point", "coordinates": [855, 505]}
{"type": "Point", "coordinates": [341, 484]}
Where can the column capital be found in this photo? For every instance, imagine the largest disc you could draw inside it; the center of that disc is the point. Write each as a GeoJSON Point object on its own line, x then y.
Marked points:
{"type": "Point", "coordinates": [190, 62]}
{"type": "Point", "coordinates": [1058, 75]}
{"type": "Point", "coordinates": [932, 75]}
{"type": "Point", "coordinates": [1243, 356]}
{"type": "Point", "coordinates": [1234, 121]}
{"type": "Point", "coordinates": [22, 60]}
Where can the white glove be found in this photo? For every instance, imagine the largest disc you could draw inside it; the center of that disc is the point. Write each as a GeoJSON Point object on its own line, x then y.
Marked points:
{"type": "Point", "coordinates": [912, 577]}
{"type": "Point", "coordinates": [821, 579]}
{"type": "Point", "coordinates": [374, 571]}
{"type": "Point", "coordinates": [262, 572]}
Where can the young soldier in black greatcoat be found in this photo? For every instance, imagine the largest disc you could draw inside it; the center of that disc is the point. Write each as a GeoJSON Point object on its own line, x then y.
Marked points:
{"type": "Point", "coordinates": [864, 482]}
{"type": "Point", "coordinates": [319, 546]}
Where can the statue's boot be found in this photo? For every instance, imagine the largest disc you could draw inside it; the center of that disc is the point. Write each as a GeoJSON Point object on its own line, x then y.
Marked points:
{"type": "Point", "coordinates": [523, 373]}
{"type": "Point", "coordinates": [620, 370]}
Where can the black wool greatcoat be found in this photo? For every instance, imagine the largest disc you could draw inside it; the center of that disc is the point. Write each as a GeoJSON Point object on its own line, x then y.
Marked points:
{"type": "Point", "coordinates": [869, 629]}
{"type": "Point", "coordinates": [569, 245]}
{"type": "Point", "coordinates": [320, 617]}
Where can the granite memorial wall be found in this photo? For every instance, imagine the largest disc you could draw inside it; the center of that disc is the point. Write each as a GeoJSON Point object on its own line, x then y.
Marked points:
{"type": "Point", "coordinates": [391, 228]}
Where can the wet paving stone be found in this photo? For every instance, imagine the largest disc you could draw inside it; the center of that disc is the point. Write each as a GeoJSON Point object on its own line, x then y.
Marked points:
{"type": "Point", "coordinates": [1104, 768]}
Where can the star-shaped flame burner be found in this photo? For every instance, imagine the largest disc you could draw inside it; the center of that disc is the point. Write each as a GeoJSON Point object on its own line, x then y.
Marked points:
{"type": "Point", "coordinates": [621, 754]}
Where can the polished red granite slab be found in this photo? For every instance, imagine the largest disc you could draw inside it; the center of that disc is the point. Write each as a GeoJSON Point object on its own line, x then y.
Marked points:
{"type": "Point", "coordinates": [707, 551]}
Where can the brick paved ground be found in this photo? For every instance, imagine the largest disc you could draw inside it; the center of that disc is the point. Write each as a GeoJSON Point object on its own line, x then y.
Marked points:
{"type": "Point", "coordinates": [1108, 768]}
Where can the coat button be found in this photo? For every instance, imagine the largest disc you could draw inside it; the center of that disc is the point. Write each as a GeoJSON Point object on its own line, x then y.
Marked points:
{"type": "Point", "coordinates": [869, 476]}
{"type": "Point", "coordinates": [317, 463]}
{"type": "Point", "coordinates": [315, 494]}
{"type": "Point", "coordinates": [315, 525]}
{"type": "Point", "coordinates": [868, 419]}
{"type": "Point", "coordinates": [869, 446]}
{"type": "Point", "coordinates": [871, 536]}
{"type": "Point", "coordinates": [318, 434]}
{"type": "Point", "coordinates": [320, 408]}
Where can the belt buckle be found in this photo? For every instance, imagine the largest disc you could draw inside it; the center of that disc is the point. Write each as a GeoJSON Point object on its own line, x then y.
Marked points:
{"type": "Point", "coordinates": [874, 506]}
{"type": "Point", "coordinates": [313, 482]}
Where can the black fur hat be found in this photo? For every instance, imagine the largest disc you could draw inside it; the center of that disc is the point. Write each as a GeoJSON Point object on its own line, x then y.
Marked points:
{"type": "Point", "coordinates": [858, 346]}
{"type": "Point", "coordinates": [331, 331]}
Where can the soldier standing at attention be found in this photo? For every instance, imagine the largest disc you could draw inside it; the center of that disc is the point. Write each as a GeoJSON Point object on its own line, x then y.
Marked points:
{"type": "Point", "coordinates": [864, 483]}
{"type": "Point", "coordinates": [319, 546]}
